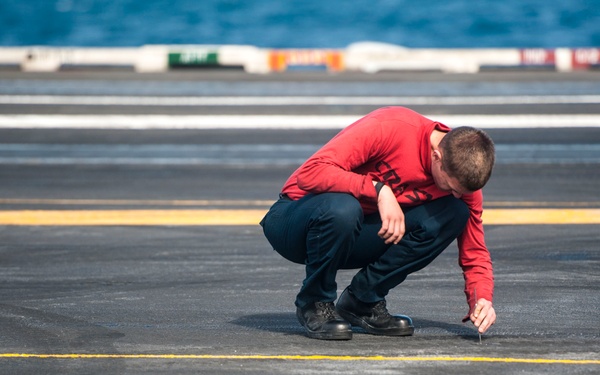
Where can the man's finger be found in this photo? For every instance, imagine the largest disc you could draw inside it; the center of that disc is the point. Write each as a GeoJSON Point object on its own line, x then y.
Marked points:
{"type": "Point", "coordinates": [478, 308]}
{"type": "Point", "coordinates": [485, 324]}
{"type": "Point", "coordinates": [384, 228]}
{"type": "Point", "coordinates": [396, 233]}
{"type": "Point", "coordinates": [489, 320]}
{"type": "Point", "coordinates": [485, 318]}
{"type": "Point", "coordinates": [401, 229]}
{"type": "Point", "coordinates": [480, 313]}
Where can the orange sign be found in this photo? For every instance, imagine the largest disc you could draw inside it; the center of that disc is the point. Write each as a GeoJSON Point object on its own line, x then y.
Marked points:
{"type": "Point", "coordinates": [280, 60]}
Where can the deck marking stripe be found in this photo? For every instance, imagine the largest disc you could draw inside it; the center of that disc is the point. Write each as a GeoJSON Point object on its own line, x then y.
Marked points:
{"type": "Point", "coordinates": [279, 121]}
{"type": "Point", "coordinates": [138, 202]}
{"type": "Point", "coordinates": [305, 358]}
{"type": "Point", "coordinates": [131, 217]}
{"type": "Point", "coordinates": [124, 100]}
{"type": "Point", "coordinates": [253, 216]}
{"type": "Point", "coordinates": [244, 202]}
{"type": "Point", "coordinates": [541, 216]}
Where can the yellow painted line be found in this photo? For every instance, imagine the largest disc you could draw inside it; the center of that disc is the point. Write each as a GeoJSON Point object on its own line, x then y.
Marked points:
{"type": "Point", "coordinates": [139, 202]}
{"type": "Point", "coordinates": [541, 216]}
{"type": "Point", "coordinates": [306, 358]}
{"type": "Point", "coordinates": [253, 217]}
{"type": "Point", "coordinates": [132, 217]}
{"type": "Point", "coordinates": [515, 204]}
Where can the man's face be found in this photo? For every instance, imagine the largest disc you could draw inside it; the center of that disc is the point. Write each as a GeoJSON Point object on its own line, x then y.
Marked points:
{"type": "Point", "coordinates": [442, 180]}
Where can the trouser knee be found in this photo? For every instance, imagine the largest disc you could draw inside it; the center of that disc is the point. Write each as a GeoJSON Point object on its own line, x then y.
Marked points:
{"type": "Point", "coordinates": [342, 213]}
{"type": "Point", "coordinates": [430, 228]}
{"type": "Point", "coordinates": [447, 216]}
{"type": "Point", "coordinates": [312, 224]}
{"type": "Point", "coordinates": [459, 216]}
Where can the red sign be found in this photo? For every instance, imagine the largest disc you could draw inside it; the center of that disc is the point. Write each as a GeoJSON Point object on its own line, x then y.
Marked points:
{"type": "Point", "coordinates": [538, 56]}
{"type": "Point", "coordinates": [583, 58]}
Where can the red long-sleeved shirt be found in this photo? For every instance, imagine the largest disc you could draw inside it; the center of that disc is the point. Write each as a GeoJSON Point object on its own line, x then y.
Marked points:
{"type": "Point", "coordinates": [393, 145]}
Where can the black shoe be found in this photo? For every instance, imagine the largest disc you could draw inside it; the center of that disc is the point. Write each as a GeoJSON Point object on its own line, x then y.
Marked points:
{"type": "Point", "coordinates": [373, 317]}
{"type": "Point", "coordinates": [321, 321]}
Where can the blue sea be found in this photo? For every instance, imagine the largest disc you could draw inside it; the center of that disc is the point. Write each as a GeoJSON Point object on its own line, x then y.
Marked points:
{"type": "Point", "coordinates": [302, 23]}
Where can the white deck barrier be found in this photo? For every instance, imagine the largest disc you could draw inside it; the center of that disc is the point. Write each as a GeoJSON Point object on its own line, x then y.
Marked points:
{"type": "Point", "coordinates": [368, 57]}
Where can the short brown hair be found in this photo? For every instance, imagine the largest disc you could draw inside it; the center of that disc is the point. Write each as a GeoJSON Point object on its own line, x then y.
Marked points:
{"type": "Point", "coordinates": [468, 154]}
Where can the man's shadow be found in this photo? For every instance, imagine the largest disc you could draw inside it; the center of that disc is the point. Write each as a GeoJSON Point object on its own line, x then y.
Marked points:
{"type": "Point", "coordinates": [287, 323]}
{"type": "Point", "coordinates": [465, 331]}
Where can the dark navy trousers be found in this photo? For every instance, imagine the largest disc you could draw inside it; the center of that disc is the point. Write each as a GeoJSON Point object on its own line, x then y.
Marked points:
{"type": "Point", "coordinates": [328, 232]}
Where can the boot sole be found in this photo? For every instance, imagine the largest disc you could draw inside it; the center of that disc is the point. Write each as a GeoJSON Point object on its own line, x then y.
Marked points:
{"type": "Point", "coordinates": [326, 335]}
{"type": "Point", "coordinates": [359, 322]}
{"type": "Point", "coordinates": [344, 335]}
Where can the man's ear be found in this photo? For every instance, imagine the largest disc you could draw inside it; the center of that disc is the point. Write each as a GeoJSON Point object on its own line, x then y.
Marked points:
{"type": "Point", "coordinates": [436, 155]}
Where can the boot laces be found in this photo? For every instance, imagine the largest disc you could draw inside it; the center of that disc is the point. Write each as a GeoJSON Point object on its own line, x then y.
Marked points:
{"type": "Point", "coordinates": [327, 309]}
{"type": "Point", "coordinates": [380, 309]}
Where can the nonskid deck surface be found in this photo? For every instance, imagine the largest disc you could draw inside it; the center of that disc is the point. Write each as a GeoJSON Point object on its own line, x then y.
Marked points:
{"type": "Point", "coordinates": [146, 255]}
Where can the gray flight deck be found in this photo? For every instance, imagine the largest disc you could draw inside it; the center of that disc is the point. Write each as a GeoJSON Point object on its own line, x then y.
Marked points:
{"type": "Point", "coordinates": [216, 299]}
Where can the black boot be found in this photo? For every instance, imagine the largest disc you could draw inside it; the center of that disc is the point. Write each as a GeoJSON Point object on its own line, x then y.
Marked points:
{"type": "Point", "coordinates": [373, 317]}
{"type": "Point", "coordinates": [321, 321]}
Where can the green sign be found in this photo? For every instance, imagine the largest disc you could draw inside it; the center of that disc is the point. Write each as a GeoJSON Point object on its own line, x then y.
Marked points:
{"type": "Point", "coordinates": [193, 58]}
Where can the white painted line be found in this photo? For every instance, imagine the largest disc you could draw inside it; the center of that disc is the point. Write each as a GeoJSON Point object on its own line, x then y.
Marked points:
{"type": "Point", "coordinates": [292, 100]}
{"type": "Point", "coordinates": [174, 122]}
{"type": "Point", "coordinates": [277, 121]}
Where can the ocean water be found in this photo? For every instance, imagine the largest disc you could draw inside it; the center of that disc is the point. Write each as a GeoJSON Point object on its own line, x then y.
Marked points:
{"type": "Point", "coordinates": [302, 23]}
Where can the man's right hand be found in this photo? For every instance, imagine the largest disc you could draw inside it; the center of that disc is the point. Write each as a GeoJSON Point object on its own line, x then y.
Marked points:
{"type": "Point", "coordinates": [483, 315]}
{"type": "Point", "coordinates": [392, 217]}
